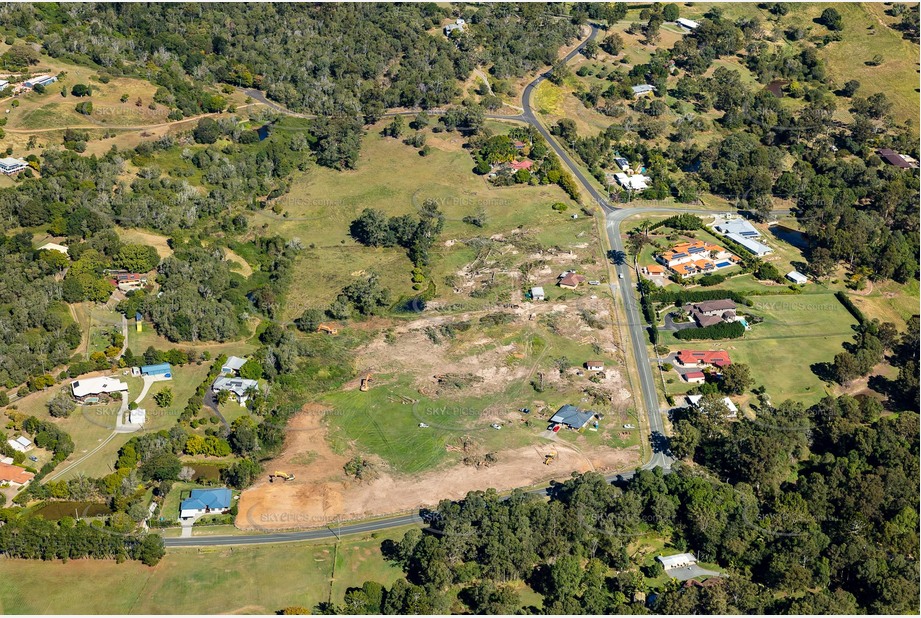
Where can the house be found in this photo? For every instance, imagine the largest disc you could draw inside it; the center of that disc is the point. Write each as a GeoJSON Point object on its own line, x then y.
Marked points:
{"type": "Point", "coordinates": [750, 244]}
{"type": "Point", "coordinates": [572, 417]}
{"type": "Point", "coordinates": [51, 246]}
{"type": "Point", "coordinates": [622, 163]}
{"type": "Point", "coordinates": [893, 158]}
{"type": "Point", "coordinates": [458, 25]}
{"type": "Point", "coordinates": [740, 227]}
{"type": "Point", "coordinates": [711, 312]}
{"type": "Point", "coordinates": [38, 80]}
{"type": "Point", "coordinates": [4, 83]}
{"type": "Point", "coordinates": [160, 369]}
{"type": "Point", "coordinates": [87, 390]}
{"type": "Point", "coordinates": [636, 182]}
{"type": "Point", "coordinates": [518, 145]}
{"type": "Point", "coordinates": [594, 365]}
{"type": "Point", "coordinates": [570, 280]}
{"type": "Point", "coordinates": [654, 270]}
{"type": "Point", "coordinates": [21, 444]}
{"type": "Point", "coordinates": [678, 561]}
{"type": "Point", "coordinates": [537, 293]}
{"type": "Point", "coordinates": [693, 258]}
{"type": "Point", "coordinates": [127, 282]}
{"type": "Point", "coordinates": [521, 165]}
{"type": "Point", "coordinates": [687, 24]}
{"type": "Point", "coordinates": [238, 387]}
{"type": "Point", "coordinates": [642, 90]}
{"type": "Point", "coordinates": [232, 365]}
{"type": "Point", "coordinates": [14, 476]}
{"type": "Point", "coordinates": [694, 400]}
{"type": "Point", "coordinates": [695, 377]}
{"type": "Point", "coordinates": [702, 358]}
{"type": "Point", "coordinates": [204, 501]}
{"type": "Point", "coordinates": [797, 277]}
{"type": "Point", "coordinates": [12, 165]}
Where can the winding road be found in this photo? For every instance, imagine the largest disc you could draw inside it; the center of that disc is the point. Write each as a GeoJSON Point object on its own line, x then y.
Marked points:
{"type": "Point", "coordinates": [622, 286]}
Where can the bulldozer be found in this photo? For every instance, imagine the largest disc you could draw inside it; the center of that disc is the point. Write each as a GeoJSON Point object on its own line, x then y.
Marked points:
{"type": "Point", "coordinates": [281, 475]}
{"type": "Point", "coordinates": [365, 383]}
{"type": "Point", "coordinates": [549, 458]}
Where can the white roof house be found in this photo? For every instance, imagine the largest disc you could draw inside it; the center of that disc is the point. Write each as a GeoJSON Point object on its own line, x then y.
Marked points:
{"type": "Point", "coordinates": [233, 364]}
{"type": "Point", "coordinates": [96, 386]}
{"type": "Point", "coordinates": [4, 83]}
{"type": "Point", "coordinates": [537, 293]}
{"type": "Point", "coordinates": [622, 163]}
{"type": "Point", "coordinates": [688, 24]}
{"type": "Point", "coordinates": [643, 89]}
{"type": "Point", "coordinates": [677, 561]}
{"type": "Point", "coordinates": [51, 246]}
{"type": "Point", "coordinates": [21, 444]}
{"type": "Point", "coordinates": [11, 165]}
{"type": "Point", "coordinates": [637, 182]}
{"type": "Point", "coordinates": [239, 387]}
{"type": "Point", "coordinates": [44, 80]}
{"type": "Point", "coordinates": [751, 245]}
{"type": "Point", "coordinates": [737, 226]}
{"type": "Point", "coordinates": [797, 277]}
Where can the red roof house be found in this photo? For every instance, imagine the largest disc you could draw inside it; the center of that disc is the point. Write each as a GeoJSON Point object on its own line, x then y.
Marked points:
{"type": "Point", "coordinates": [14, 475]}
{"type": "Point", "coordinates": [696, 377]}
{"type": "Point", "coordinates": [703, 358]}
{"type": "Point", "coordinates": [521, 165]}
{"type": "Point", "coordinates": [571, 281]}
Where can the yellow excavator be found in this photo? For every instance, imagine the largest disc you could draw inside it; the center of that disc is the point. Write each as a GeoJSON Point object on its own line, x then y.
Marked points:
{"type": "Point", "coordinates": [280, 475]}
{"type": "Point", "coordinates": [549, 458]}
{"type": "Point", "coordinates": [365, 383]}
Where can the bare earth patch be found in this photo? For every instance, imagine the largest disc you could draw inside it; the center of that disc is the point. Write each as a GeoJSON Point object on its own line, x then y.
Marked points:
{"type": "Point", "coordinates": [321, 494]}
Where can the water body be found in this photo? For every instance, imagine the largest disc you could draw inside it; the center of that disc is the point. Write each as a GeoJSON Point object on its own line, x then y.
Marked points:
{"type": "Point", "coordinates": [263, 131]}
{"type": "Point", "coordinates": [791, 236]}
{"type": "Point", "coordinates": [776, 87]}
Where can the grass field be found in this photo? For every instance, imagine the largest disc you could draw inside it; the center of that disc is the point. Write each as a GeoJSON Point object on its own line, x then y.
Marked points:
{"type": "Point", "coordinates": [392, 177]}
{"type": "Point", "coordinates": [243, 580]}
{"type": "Point", "coordinates": [797, 332]}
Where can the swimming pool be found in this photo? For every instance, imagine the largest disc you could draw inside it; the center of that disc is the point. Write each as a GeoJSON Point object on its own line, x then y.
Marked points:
{"type": "Point", "coordinates": [723, 264]}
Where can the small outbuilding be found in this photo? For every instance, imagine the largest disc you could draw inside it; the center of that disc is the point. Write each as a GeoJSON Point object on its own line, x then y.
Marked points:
{"type": "Point", "coordinates": [160, 369]}
{"type": "Point", "coordinates": [677, 561]}
{"type": "Point", "coordinates": [21, 444]}
{"type": "Point", "coordinates": [537, 293]}
{"type": "Point", "coordinates": [797, 277]}
{"type": "Point", "coordinates": [233, 365]}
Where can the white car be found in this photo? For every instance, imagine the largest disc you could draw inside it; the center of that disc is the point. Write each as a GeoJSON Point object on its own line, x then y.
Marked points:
{"type": "Point", "coordinates": [422, 425]}
{"type": "Point", "coordinates": [496, 426]}
{"type": "Point", "coordinates": [620, 275]}
{"type": "Point", "coordinates": [629, 426]}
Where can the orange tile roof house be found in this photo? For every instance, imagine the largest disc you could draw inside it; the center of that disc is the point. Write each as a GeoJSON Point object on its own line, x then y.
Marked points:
{"type": "Point", "coordinates": [703, 358]}
{"type": "Point", "coordinates": [14, 475]}
{"type": "Point", "coordinates": [692, 258]}
{"type": "Point", "coordinates": [654, 270]}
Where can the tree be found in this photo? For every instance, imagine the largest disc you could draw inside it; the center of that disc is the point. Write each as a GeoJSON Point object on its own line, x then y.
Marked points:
{"type": "Point", "coordinates": [251, 370]}
{"type": "Point", "coordinates": [164, 398]}
{"type": "Point", "coordinates": [163, 466]}
{"type": "Point", "coordinates": [207, 131]}
{"type": "Point", "coordinates": [736, 379]}
{"type": "Point", "coordinates": [137, 258]}
{"type": "Point", "coordinates": [613, 44]}
{"type": "Point", "coordinates": [831, 19]}
{"type": "Point", "coordinates": [19, 57]}
{"type": "Point", "coordinates": [590, 50]}
{"type": "Point", "coordinates": [61, 405]}
{"type": "Point", "coordinates": [846, 368]}
{"type": "Point", "coordinates": [395, 128]}
{"type": "Point", "coordinates": [242, 474]}
{"type": "Point", "coordinates": [244, 435]}
{"type": "Point", "coordinates": [85, 108]}
{"type": "Point", "coordinates": [670, 12]}
{"type": "Point", "coordinates": [850, 88]}
{"type": "Point", "coordinates": [151, 550]}
{"type": "Point", "coordinates": [81, 90]}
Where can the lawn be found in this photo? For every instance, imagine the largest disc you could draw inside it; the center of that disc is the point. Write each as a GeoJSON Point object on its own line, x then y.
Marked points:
{"type": "Point", "coordinates": [246, 580]}
{"type": "Point", "coordinates": [391, 176]}
{"type": "Point", "coordinates": [797, 332]}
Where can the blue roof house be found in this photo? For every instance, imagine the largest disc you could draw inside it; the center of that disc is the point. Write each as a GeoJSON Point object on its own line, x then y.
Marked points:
{"type": "Point", "coordinates": [203, 501]}
{"type": "Point", "coordinates": [160, 369]}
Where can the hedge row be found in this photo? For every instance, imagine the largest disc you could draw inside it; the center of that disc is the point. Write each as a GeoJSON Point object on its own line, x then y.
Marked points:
{"type": "Point", "coordinates": [731, 330]}
{"type": "Point", "coordinates": [851, 307]}
{"type": "Point", "coordinates": [681, 297]}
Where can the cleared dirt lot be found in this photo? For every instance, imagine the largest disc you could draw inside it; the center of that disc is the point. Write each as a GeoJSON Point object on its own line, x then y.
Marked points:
{"type": "Point", "coordinates": [321, 494]}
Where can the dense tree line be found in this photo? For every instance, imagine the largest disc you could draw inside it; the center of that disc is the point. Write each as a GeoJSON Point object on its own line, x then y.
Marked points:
{"type": "Point", "coordinates": [799, 525]}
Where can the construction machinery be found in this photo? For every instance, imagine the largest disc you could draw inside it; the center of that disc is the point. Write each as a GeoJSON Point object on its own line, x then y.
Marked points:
{"type": "Point", "coordinates": [549, 458]}
{"type": "Point", "coordinates": [365, 383]}
{"type": "Point", "coordinates": [280, 475]}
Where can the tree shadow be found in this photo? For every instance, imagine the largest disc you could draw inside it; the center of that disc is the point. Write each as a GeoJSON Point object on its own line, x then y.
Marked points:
{"type": "Point", "coordinates": [824, 371]}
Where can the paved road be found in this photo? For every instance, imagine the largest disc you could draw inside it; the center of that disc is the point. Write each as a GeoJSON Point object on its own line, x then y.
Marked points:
{"type": "Point", "coordinates": [624, 286]}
